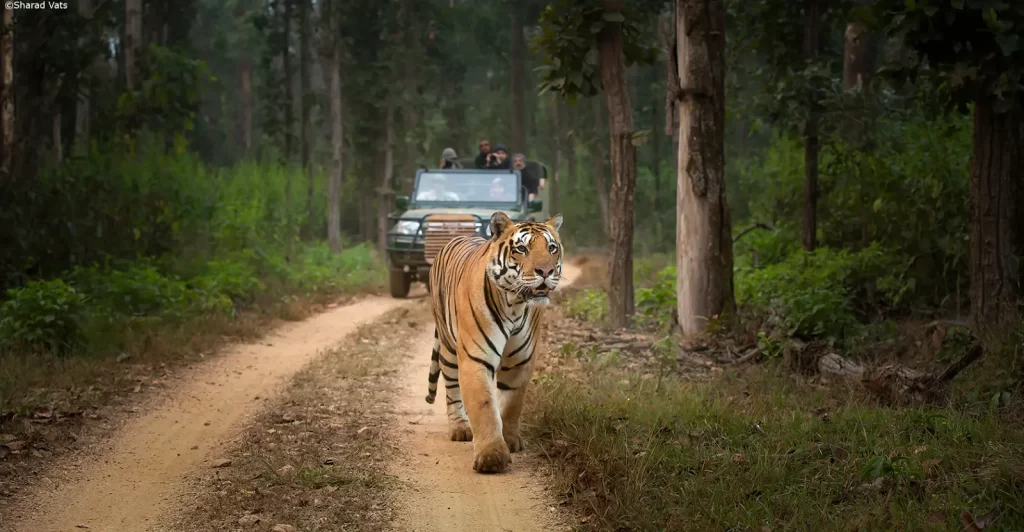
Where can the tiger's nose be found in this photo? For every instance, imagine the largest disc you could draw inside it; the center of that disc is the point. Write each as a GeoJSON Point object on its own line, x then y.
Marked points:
{"type": "Point", "coordinates": [544, 273]}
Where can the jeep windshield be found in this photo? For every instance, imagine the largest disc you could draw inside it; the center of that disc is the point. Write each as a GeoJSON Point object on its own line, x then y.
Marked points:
{"type": "Point", "coordinates": [468, 187]}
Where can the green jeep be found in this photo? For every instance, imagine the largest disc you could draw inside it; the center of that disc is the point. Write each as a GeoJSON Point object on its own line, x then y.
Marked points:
{"type": "Point", "coordinates": [446, 204]}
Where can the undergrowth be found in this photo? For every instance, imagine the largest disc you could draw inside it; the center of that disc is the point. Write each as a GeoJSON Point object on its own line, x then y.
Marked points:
{"type": "Point", "coordinates": [755, 450]}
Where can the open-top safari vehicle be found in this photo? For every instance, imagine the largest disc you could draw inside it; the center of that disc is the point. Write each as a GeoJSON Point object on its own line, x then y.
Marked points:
{"type": "Point", "coordinates": [446, 204]}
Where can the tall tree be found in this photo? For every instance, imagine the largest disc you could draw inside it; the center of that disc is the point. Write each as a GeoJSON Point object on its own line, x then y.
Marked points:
{"type": "Point", "coordinates": [305, 101]}
{"type": "Point", "coordinates": [286, 62]}
{"type": "Point", "coordinates": [600, 157]}
{"type": "Point", "coordinates": [623, 163]}
{"type": "Point", "coordinates": [385, 189]}
{"type": "Point", "coordinates": [333, 65]}
{"type": "Point", "coordinates": [975, 49]}
{"type": "Point", "coordinates": [7, 94]}
{"type": "Point", "coordinates": [518, 79]}
{"type": "Point", "coordinates": [812, 29]}
{"type": "Point", "coordinates": [858, 52]}
{"type": "Point", "coordinates": [703, 230]}
{"type": "Point", "coordinates": [132, 41]}
{"type": "Point", "coordinates": [571, 32]}
{"type": "Point", "coordinates": [245, 88]}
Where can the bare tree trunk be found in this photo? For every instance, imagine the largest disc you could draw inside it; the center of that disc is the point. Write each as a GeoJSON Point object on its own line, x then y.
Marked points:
{"type": "Point", "coordinates": [570, 183]}
{"type": "Point", "coordinates": [518, 81]}
{"type": "Point", "coordinates": [7, 95]}
{"type": "Point", "coordinates": [305, 102]}
{"type": "Point", "coordinates": [82, 107]}
{"type": "Point", "coordinates": [286, 60]}
{"type": "Point", "coordinates": [245, 78]}
{"type": "Point", "coordinates": [410, 106]}
{"type": "Point", "coordinates": [703, 228]}
{"type": "Point", "coordinates": [812, 25]}
{"type": "Point", "coordinates": [337, 134]}
{"type": "Point", "coordinates": [599, 157]}
{"type": "Point", "coordinates": [623, 159]}
{"type": "Point", "coordinates": [133, 41]}
{"type": "Point", "coordinates": [58, 141]}
{"type": "Point", "coordinates": [554, 115]}
{"type": "Point", "coordinates": [858, 53]}
{"type": "Point", "coordinates": [387, 175]}
{"type": "Point", "coordinates": [997, 215]}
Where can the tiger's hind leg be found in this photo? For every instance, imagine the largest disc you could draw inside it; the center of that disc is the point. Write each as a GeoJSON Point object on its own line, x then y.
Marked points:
{"type": "Point", "coordinates": [458, 422]}
{"type": "Point", "coordinates": [513, 378]}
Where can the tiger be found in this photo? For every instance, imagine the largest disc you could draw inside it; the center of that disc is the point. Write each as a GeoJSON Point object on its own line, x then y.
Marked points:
{"type": "Point", "coordinates": [487, 296]}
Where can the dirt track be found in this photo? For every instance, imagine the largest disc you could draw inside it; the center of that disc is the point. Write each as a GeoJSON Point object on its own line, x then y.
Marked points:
{"type": "Point", "coordinates": [132, 482]}
{"type": "Point", "coordinates": [135, 481]}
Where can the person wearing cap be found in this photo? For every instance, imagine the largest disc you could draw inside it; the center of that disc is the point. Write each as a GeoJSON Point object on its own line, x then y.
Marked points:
{"type": "Point", "coordinates": [498, 159]}
{"type": "Point", "coordinates": [449, 159]}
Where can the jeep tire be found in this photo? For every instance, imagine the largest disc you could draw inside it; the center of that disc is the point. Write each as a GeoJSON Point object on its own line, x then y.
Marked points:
{"type": "Point", "coordinates": [399, 282]}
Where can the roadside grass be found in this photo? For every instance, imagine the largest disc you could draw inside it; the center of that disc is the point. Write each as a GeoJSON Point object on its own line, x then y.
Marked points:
{"type": "Point", "coordinates": [758, 450]}
{"type": "Point", "coordinates": [316, 459]}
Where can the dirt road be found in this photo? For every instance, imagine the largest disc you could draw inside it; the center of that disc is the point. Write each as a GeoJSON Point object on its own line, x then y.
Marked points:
{"type": "Point", "coordinates": [442, 492]}
{"type": "Point", "coordinates": [130, 484]}
{"type": "Point", "coordinates": [139, 479]}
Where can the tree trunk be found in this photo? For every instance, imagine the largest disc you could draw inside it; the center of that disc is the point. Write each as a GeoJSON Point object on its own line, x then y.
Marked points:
{"type": "Point", "coordinates": [410, 104]}
{"type": "Point", "coordinates": [305, 102]}
{"type": "Point", "coordinates": [387, 176]}
{"type": "Point", "coordinates": [133, 41]}
{"type": "Point", "coordinates": [518, 82]}
{"type": "Point", "coordinates": [245, 78]}
{"type": "Point", "coordinates": [82, 106]}
{"type": "Point", "coordinates": [570, 183]}
{"type": "Point", "coordinates": [703, 229]}
{"type": "Point", "coordinates": [7, 95]}
{"type": "Point", "coordinates": [58, 140]}
{"type": "Point", "coordinates": [810, 226]}
{"type": "Point", "coordinates": [997, 215]}
{"type": "Point", "coordinates": [623, 159]}
{"type": "Point", "coordinates": [600, 156]}
{"type": "Point", "coordinates": [337, 133]}
{"type": "Point", "coordinates": [858, 53]}
{"type": "Point", "coordinates": [286, 60]}
{"type": "Point", "coordinates": [554, 115]}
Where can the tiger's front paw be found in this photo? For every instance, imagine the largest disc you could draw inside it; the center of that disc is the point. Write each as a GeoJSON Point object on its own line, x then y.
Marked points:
{"type": "Point", "coordinates": [460, 432]}
{"type": "Point", "coordinates": [514, 442]}
{"type": "Point", "coordinates": [494, 458]}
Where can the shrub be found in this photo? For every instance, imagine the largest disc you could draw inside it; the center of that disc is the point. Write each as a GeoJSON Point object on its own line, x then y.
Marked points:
{"type": "Point", "coordinates": [234, 278]}
{"type": "Point", "coordinates": [142, 290]}
{"type": "Point", "coordinates": [42, 315]}
{"type": "Point", "coordinates": [655, 306]}
{"type": "Point", "coordinates": [589, 305]}
{"type": "Point", "coordinates": [818, 294]}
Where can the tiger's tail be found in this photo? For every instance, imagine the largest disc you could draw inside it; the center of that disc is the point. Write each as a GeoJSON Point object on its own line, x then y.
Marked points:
{"type": "Point", "coordinates": [435, 369]}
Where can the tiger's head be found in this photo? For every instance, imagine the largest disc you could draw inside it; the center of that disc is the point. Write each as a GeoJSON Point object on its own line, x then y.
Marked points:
{"type": "Point", "coordinates": [527, 257]}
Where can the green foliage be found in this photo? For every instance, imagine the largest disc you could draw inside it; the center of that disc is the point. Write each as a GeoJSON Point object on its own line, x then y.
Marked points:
{"type": "Point", "coordinates": [822, 294]}
{"type": "Point", "coordinates": [143, 290]}
{"type": "Point", "coordinates": [656, 305]}
{"type": "Point", "coordinates": [589, 305]}
{"type": "Point", "coordinates": [905, 190]}
{"type": "Point", "coordinates": [568, 39]}
{"type": "Point", "coordinates": [167, 99]}
{"type": "Point", "coordinates": [42, 316]}
{"type": "Point", "coordinates": [975, 46]}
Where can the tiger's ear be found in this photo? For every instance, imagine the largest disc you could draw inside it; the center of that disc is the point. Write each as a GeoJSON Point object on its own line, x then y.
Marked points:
{"type": "Point", "coordinates": [499, 223]}
{"type": "Point", "coordinates": [555, 222]}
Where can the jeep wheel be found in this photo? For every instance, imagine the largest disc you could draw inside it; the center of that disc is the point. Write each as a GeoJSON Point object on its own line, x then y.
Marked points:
{"type": "Point", "coordinates": [399, 283]}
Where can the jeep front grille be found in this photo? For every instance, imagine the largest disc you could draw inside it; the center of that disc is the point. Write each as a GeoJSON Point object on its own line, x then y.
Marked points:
{"type": "Point", "coordinates": [440, 228]}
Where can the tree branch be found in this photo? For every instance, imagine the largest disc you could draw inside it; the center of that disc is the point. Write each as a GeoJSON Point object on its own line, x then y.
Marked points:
{"type": "Point", "coordinates": [757, 225]}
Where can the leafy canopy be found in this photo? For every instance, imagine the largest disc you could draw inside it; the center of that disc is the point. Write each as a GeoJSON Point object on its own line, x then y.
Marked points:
{"type": "Point", "coordinates": [568, 37]}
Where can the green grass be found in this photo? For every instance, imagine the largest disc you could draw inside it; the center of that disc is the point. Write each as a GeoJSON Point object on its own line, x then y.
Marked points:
{"type": "Point", "coordinates": [747, 451]}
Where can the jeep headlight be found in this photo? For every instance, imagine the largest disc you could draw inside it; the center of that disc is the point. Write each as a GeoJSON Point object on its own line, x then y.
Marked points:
{"type": "Point", "coordinates": [406, 227]}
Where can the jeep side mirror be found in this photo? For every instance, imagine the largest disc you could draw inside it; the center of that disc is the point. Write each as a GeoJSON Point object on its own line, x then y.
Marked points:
{"type": "Point", "coordinates": [402, 202]}
{"type": "Point", "coordinates": [536, 205]}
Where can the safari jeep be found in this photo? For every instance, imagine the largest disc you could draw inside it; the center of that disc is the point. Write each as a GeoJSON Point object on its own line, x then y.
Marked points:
{"type": "Point", "coordinates": [446, 204]}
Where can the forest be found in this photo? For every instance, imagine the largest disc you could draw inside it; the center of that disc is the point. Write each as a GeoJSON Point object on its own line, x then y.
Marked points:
{"type": "Point", "coordinates": [799, 224]}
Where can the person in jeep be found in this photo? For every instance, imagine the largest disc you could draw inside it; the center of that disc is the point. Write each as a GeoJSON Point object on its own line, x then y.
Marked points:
{"type": "Point", "coordinates": [435, 188]}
